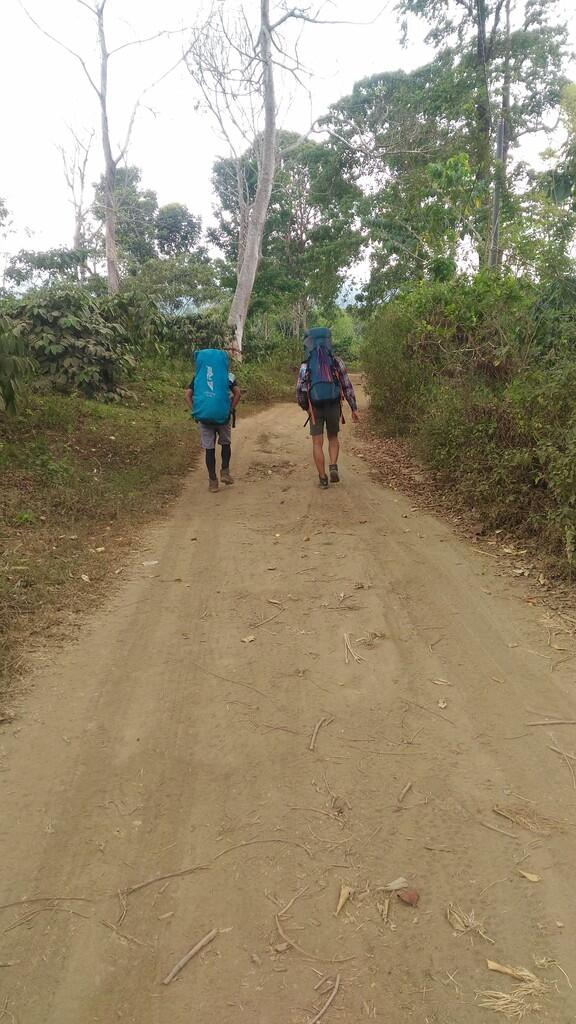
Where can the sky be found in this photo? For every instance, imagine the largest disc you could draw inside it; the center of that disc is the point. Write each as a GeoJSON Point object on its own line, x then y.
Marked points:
{"type": "Point", "coordinates": [174, 141]}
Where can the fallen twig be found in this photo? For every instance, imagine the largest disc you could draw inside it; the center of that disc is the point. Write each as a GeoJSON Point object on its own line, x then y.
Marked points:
{"type": "Point", "coordinates": [46, 899]}
{"type": "Point", "coordinates": [405, 791]}
{"type": "Point", "coordinates": [317, 727]}
{"type": "Point", "coordinates": [554, 721]}
{"type": "Point", "coordinates": [254, 625]}
{"type": "Point", "coordinates": [186, 959]}
{"type": "Point", "coordinates": [292, 901]}
{"type": "Point", "coordinates": [349, 650]}
{"type": "Point", "coordinates": [494, 828]}
{"type": "Point", "coordinates": [443, 718]}
{"type": "Point", "coordinates": [309, 956]}
{"type": "Point", "coordinates": [328, 1002]}
{"type": "Point", "coordinates": [208, 864]}
{"type": "Point", "coordinates": [568, 759]}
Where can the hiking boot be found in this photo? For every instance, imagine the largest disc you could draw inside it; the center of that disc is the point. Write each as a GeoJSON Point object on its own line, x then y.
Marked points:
{"type": "Point", "coordinates": [334, 475]}
{"type": "Point", "coordinates": [213, 485]}
{"type": "Point", "coordinates": [225, 477]}
{"type": "Point", "coordinates": [323, 482]}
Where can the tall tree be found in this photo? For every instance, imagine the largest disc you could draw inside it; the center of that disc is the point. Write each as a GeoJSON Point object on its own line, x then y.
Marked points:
{"type": "Point", "coordinates": [512, 54]}
{"type": "Point", "coordinates": [99, 82]}
{"type": "Point", "coordinates": [234, 63]}
{"type": "Point", "coordinates": [309, 238]}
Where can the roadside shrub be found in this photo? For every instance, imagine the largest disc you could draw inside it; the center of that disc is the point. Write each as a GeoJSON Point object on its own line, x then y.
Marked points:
{"type": "Point", "coordinates": [482, 375]}
{"type": "Point", "coordinates": [183, 334]}
{"type": "Point", "coordinates": [70, 340]}
{"type": "Point", "coordinates": [15, 361]}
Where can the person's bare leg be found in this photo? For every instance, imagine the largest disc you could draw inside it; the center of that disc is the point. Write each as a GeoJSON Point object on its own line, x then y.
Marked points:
{"type": "Point", "coordinates": [333, 449]}
{"type": "Point", "coordinates": [318, 453]}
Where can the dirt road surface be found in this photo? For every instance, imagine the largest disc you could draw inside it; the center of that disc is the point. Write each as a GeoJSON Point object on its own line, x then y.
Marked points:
{"type": "Point", "coordinates": [160, 784]}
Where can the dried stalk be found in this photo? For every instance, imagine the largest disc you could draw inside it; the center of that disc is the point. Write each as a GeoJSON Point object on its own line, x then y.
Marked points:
{"type": "Point", "coordinates": [317, 727]}
{"type": "Point", "coordinates": [328, 1002]}
{"type": "Point", "coordinates": [186, 959]}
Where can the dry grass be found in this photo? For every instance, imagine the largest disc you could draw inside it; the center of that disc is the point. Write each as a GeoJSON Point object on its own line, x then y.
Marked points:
{"type": "Point", "coordinates": [77, 481]}
{"type": "Point", "coordinates": [464, 923]}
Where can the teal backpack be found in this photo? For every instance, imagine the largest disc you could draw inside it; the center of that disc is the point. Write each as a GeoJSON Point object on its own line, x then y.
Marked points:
{"type": "Point", "coordinates": [324, 384]}
{"type": "Point", "coordinates": [212, 402]}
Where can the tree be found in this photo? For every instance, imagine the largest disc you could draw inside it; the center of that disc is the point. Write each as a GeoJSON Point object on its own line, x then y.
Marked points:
{"type": "Point", "coordinates": [75, 164]}
{"type": "Point", "coordinates": [309, 239]}
{"type": "Point", "coordinates": [177, 230]}
{"type": "Point", "coordinates": [135, 216]}
{"type": "Point", "coordinates": [100, 84]}
{"type": "Point", "coordinates": [234, 65]}
{"type": "Point", "coordinates": [401, 139]}
{"type": "Point", "coordinates": [179, 281]}
{"type": "Point", "coordinates": [511, 53]}
{"type": "Point", "coordinates": [32, 269]}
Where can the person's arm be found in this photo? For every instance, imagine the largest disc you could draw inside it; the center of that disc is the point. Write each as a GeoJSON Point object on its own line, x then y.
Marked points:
{"type": "Point", "coordinates": [348, 390]}
{"type": "Point", "coordinates": [236, 396]}
{"type": "Point", "coordinates": [302, 388]}
{"type": "Point", "coordinates": [188, 396]}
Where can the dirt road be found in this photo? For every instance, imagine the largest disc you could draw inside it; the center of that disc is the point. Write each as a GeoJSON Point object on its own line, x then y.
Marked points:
{"type": "Point", "coordinates": [170, 745]}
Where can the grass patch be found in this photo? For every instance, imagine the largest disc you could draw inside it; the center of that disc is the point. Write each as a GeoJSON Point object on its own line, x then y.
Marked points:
{"type": "Point", "coordinates": [78, 479]}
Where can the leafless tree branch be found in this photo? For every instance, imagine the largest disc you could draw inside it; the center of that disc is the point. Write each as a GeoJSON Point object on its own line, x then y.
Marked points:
{"type": "Point", "coordinates": [62, 45]}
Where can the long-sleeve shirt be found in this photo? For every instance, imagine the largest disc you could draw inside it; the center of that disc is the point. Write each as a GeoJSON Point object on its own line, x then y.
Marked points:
{"type": "Point", "coordinates": [303, 384]}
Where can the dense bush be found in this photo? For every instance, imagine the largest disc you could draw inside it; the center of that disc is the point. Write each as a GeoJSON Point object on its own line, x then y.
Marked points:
{"type": "Point", "coordinates": [70, 339]}
{"type": "Point", "coordinates": [184, 333]}
{"type": "Point", "coordinates": [15, 361]}
{"type": "Point", "coordinates": [482, 375]}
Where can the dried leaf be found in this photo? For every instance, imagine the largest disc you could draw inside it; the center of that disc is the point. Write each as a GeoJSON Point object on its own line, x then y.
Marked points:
{"type": "Point", "coordinates": [529, 876]}
{"type": "Point", "coordinates": [409, 896]}
{"type": "Point", "coordinates": [345, 893]}
{"type": "Point", "coordinates": [398, 883]}
{"type": "Point", "coordinates": [520, 973]}
{"type": "Point", "coordinates": [248, 639]}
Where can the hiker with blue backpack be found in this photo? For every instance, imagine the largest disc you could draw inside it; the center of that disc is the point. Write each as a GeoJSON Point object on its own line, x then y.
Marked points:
{"type": "Point", "coordinates": [212, 397]}
{"type": "Point", "coordinates": [323, 383]}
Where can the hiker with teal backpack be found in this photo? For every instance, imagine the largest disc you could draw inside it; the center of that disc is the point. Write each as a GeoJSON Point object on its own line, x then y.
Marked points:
{"type": "Point", "coordinates": [212, 397]}
{"type": "Point", "coordinates": [323, 383]}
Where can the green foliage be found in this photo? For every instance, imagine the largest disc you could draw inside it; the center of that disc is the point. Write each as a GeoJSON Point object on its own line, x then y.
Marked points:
{"type": "Point", "coordinates": [36, 269]}
{"type": "Point", "coordinates": [177, 230]}
{"type": "Point", "coordinates": [310, 238]}
{"type": "Point", "coordinates": [135, 216]}
{"type": "Point", "coordinates": [177, 282]}
{"type": "Point", "coordinates": [70, 339]}
{"type": "Point", "coordinates": [207, 328]}
{"type": "Point", "coordinates": [482, 375]}
{"type": "Point", "coordinates": [273, 380]}
{"type": "Point", "coordinates": [15, 361]}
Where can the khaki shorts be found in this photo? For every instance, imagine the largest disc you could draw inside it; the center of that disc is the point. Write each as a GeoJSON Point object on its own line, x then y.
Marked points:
{"type": "Point", "coordinates": [209, 432]}
{"type": "Point", "coordinates": [328, 413]}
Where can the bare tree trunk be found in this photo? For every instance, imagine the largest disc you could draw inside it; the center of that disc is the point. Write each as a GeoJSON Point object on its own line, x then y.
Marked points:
{"type": "Point", "coordinates": [243, 212]}
{"type": "Point", "coordinates": [110, 164]}
{"type": "Point", "coordinates": [259, 209]}
{"type": "Point", "coordinates": [502, 148]}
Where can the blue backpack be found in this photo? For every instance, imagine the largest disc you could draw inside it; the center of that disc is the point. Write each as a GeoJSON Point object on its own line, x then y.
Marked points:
{"type": "Point", "coordinates": [323, 383]}
{"type": "Point", "coordinates": [211, 386]}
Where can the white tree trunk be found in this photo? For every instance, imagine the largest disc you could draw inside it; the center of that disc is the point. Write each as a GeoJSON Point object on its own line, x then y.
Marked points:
{"type": "Point", "coordinates": [110, 164]}
{"type": "Point", "coordinates": [259, 209]}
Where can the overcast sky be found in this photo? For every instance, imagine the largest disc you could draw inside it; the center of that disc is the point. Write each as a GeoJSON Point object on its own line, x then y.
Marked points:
{"type": "Point", "coordinates": [44, 91]}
